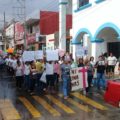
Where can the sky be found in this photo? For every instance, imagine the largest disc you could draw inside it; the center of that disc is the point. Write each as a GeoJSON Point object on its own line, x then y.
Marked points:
{"type": "Point", "coordinates": [32, 8]}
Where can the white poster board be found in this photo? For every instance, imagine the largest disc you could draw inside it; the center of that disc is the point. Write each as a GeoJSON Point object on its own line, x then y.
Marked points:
{"type": "Point", "coordinates": [38, 54]}
{"type": "Point", "coordinates": [52, 55]}
{"type": "Point", "coordinates": [77, 79]}
{"type": "Point", "coordinates": [28, 56]}
{"type": "Point", "coordinates": [80, 52]}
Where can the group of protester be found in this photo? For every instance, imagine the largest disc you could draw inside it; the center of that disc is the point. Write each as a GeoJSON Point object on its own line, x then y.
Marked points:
{"type": "Point", "coordinates": [28, 74]}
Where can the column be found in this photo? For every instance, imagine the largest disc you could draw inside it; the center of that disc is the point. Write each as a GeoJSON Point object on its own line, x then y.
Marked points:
{"type": "Point", "coordinates": [62, 24]}
{"type": "Point", "coordinates": [94, 51]}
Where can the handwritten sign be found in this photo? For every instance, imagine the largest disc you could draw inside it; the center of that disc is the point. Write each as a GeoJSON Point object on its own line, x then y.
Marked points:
{"type": "Point", "coordinates": [38, 54]}
{"type": "Point", "coordinates": [52, 55]}
{"type": "Point", "coordinates": [77, 80]}
{"type": "Point", "coordinates": [28, 56]}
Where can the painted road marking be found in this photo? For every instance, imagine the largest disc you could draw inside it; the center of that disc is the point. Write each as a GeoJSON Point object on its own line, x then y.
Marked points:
{"type": "Point", "coordinates": [60, 104]}
{"type": "Point", "coordinates": [8, 111]}
{"type": "Point", "coordinates": [46, 106]}
{"type": "Point", "coordinates": [89, 101]}
{"type": "Point", "coordinates": [34, 112]}
{"type": "Point", "coordinates": [80, 106]}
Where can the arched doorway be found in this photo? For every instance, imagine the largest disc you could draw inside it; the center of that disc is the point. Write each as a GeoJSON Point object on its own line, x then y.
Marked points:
{"type": "Point", "coordinates": [109, 33]}
{"type": "Point", "coordinates": [83, 38]}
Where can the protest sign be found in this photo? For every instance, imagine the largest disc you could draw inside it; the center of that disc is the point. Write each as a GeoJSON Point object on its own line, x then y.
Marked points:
{"type": "Point", "coordinates": [78, 78]}
{"type": "Point", "coordinates": [61, 53]}
{"type": "Point", "coordinates": [52, 55]}
{"type": "Point", "coordinates": [38, 54]}
{"type": "Point", "coordinates": [28, 56]}
{"type": "Point", "coordinates": [80, 52]}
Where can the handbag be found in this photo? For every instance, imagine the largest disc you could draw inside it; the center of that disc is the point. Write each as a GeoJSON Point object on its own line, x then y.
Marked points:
{"type": "Point", "coordinates": [43, 77]}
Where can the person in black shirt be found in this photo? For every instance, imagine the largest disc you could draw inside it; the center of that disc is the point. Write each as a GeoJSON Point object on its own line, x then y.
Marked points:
{"type": "Point", "coordinates": [100, 65]}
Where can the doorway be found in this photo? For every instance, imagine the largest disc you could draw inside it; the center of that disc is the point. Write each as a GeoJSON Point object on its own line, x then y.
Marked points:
{"type": "Point", "coordinates": [114, 47]}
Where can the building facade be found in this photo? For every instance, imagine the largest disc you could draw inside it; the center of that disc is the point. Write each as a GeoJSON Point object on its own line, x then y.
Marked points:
{"type": "Point", "coordinates": [10, 35]}
{"type": "Point", "coordinates": [35, 41]}
{"type": "Point", "coordinates": [96, 26]}
{"type": "Point", "coordinates": [50, 25]}
{"type": "Point", "coordinates": [1, 42]}
{"type": "Point", "coordinates": [19, 36]}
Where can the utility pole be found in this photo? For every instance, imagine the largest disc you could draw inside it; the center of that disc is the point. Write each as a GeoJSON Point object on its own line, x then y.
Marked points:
{"type": "Point", "coordinates": [4, 33]}
{"type": "Point", "coordinates": [20, 10]}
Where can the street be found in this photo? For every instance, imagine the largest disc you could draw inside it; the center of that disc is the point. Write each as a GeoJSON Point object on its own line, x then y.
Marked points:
{"type": "Point", "coordinates": [19, 105]}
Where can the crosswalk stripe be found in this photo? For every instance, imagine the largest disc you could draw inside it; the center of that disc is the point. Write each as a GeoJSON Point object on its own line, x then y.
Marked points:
{"type": "Point", "coordinates": [46, 106]}
{"type": "Point", "coordinates": [82, 107]}
{"type": "Point", "coordinates": [89, 101]}
{"type": "Point", "coordinates": [8, 111]}
{"type": "Point", "coordinates": [60, 104]}
{"type": "Point", "coordinates": [34, 112]}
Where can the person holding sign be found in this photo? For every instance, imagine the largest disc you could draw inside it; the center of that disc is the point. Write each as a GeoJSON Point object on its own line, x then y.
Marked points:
{"type": "Point", "coordinates": [65, 74]}
{"type": "Point", "coordinates": [33, 71]}
{"type": "Point", "coordinates": [50, 76]}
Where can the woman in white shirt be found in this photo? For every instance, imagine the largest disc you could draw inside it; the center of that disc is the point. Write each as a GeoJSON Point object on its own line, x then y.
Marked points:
{"type": "Point", "coordinates": [19, 75]}
{"type": "Point", "coordinates": [50, 76]}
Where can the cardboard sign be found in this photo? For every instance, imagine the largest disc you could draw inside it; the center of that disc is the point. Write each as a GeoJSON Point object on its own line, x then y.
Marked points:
{"type": "Point", "coordinates": [78, 80]}
{"type": "Point", "coordinates": [38, 54]}
{"type": "Point", "coordinates": [28, 56]}
{"type": "Point", "coordinates": [81, 51]}
{"type": "Point", "coordinates": [52, 55]}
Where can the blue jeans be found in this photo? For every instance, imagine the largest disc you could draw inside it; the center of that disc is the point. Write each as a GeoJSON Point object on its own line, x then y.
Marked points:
{"type": "Point", "coordinates": [101, 80]}
{"type": "Point", "coordinates": [66, 85]}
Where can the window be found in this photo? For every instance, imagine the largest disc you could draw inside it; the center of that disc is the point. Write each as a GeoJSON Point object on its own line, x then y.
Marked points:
{"type": "Point", "coordinates": [83, 2]}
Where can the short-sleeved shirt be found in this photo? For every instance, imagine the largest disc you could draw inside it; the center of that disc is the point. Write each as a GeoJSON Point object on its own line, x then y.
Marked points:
{"type": "Point", "coordinates": [112, 60]}
{"type": "Point", "coordinates": [49, 69]}
{"type": "Point", "coordinates": [65, 69]}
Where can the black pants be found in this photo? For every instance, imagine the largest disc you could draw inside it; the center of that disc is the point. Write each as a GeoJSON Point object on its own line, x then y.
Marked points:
{"type": "Point", "coordinates": [89, 83]}
{"type": "Point", "coordinates": [56, 78]}
{"type": "Point", "coordinates": [19, 81]}
{"type": "Point", "coordinates": [50, 80]}
{"type": "Point", "coordinates": [32, 82]}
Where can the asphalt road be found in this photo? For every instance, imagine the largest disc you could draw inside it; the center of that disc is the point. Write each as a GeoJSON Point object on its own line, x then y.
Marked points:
{"type": "Point", "coordinates": [20, 105]}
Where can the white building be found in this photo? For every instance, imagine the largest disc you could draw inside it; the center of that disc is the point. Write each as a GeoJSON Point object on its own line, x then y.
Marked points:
{"type": "Point", "coordinates": [96, 24]}
{"type": "Point", "coordinates": [10, 36]}
{"type": "Point", "coordinates": [1, 42]}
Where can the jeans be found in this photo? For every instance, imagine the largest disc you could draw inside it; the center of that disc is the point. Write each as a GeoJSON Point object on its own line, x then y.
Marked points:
{"type": "Point", "coordinates": [101, 79]}
{"type": "Point", "coordinates": [66, 85]}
